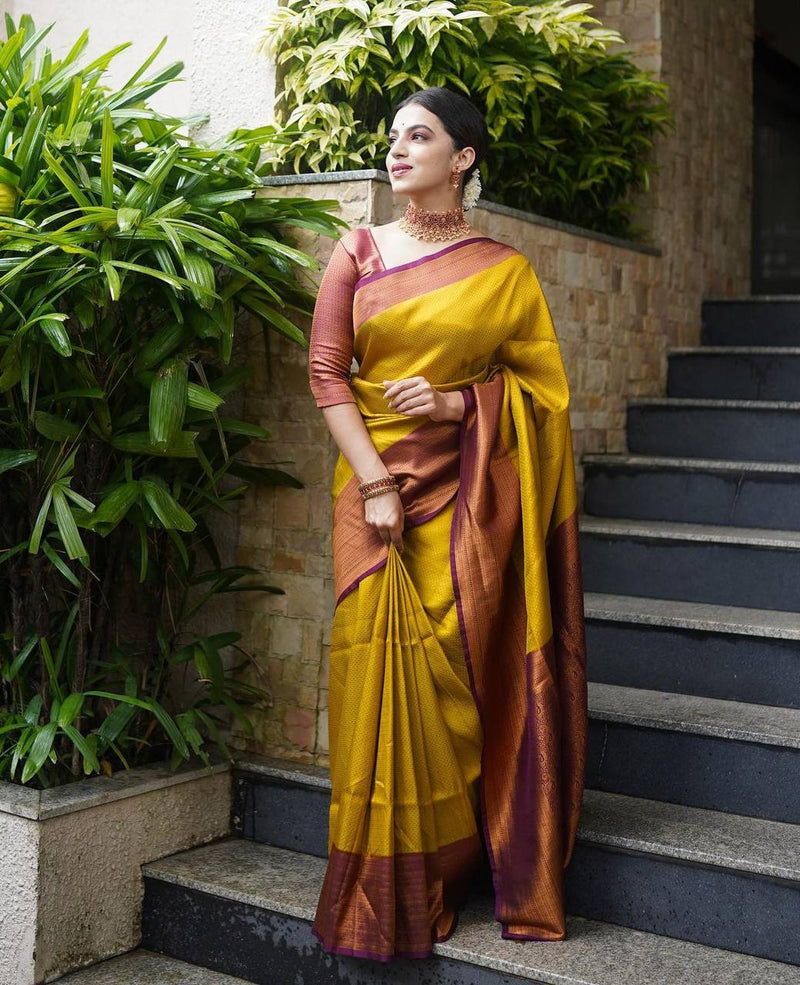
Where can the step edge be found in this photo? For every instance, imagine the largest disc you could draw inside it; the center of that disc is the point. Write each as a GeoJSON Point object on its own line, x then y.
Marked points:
{"type": "Point", "coordinates": [704, 959]}
{"type": "Point", "coordinates": [712, 403]}
{"type": "Point", "coordinates": [754, 622]}
{"type": "Point", "coordinates": [677, 810]}
{"type": "Point", "coordinates": [619, 806]}
{"type": "Point", "coordinates": [713, 533]}
{"type": "Point", "coordinates": [159, 870]}
{"type": "Point", "coordinates": [753, 299]}
{"type": "Point", "coordinates": [682, 463]}
{"type": "Point", "coordinates": [730, 864]}
{"type": "Point", "coordinates": [734, 350]}
{"type": "Point", "coordinates": [665, 722]}
{"type": "Point", "coordinates": [296, 774]}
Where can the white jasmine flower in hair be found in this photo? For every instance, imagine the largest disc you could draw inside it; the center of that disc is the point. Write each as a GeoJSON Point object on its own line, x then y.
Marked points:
{"type": "Point", "coordinates": [472, 190]}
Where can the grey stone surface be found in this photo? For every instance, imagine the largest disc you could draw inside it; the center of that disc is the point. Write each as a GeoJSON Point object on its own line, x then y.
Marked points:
{"type": "Point", "coordinates": [701, 403]}
{"type": "Point", "coordinates": [593, 953]}
{"type": "Point", "coordinates": [701, 532]}
{"type": "Point", "coordinates": [700, 616]}
{"type": "Point", "coordinates": [304, 774]}
{"type": "Point", "coordinates": [696, 834]}
{"type": "Point", "coordinates": [693, 833]}
{"type": "Point", "coordinates": [279, 769]}
{"type": "Point", "coordinates": [143, 967]}
{"type": "Point", "coordinates": [766, 724]}
{"type": "Point", "coordinates": [94, 790]}
{"type": "Point", "coordinates": [735, 350]}
{"type": "Point", "coordinates": [725, 465]}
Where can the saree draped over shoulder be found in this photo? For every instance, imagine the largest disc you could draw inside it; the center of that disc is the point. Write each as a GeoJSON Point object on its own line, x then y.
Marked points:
{"type": "Point", "coordinates": [457, 692]}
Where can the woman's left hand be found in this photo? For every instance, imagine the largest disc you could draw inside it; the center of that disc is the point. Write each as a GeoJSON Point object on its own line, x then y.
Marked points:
{"type": "Point", "coordinates": [415, 396]}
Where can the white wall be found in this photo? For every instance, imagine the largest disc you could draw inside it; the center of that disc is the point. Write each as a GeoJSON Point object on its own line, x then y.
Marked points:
{"type": "Point", "coordinates": [223, 76]}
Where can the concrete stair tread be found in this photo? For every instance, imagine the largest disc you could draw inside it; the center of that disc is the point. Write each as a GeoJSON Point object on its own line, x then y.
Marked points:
{"type": "Point", "coordinates": [751, 298]}
{"type": "Point", "coordinates": [705, 403]}
{"type": "Point", "coordinates": [735, 350]}
{"type": "Point", "coordinates": [142, 967]}
{"type": "Point", "coordinates": [594, 953]}
{"type": "Point", "coordinates": [739, 720]}
{"type": "Point", "coordinates": [697, 834]}
{"type": "Point", "coordinates": [697, 616]}
{"type": "Point", "coordinates": [624, 459]}
{"type": "Point", "coordinates": [678, 531]}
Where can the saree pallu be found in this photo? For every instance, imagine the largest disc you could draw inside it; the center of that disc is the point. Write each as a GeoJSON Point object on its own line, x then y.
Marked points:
{"type": "Point", "coordinates": [457, 691]}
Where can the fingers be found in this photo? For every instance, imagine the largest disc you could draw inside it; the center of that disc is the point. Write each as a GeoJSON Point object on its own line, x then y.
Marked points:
{"type": "Point", "coordinates": [421, 405]}
{"type": "Point", "coordinates": [397, 387]}
{"type": "Point", "coordinates": [413, 395]}
{"type": "Point", "coordinates": [385, 514]}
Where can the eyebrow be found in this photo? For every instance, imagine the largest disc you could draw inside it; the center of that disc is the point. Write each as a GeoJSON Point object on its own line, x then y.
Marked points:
{"type": "Point", "coordinates": [414, 126]}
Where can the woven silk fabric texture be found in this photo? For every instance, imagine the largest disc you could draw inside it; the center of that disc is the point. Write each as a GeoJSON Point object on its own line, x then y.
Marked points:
{"type": "Point", "coordinates": [457, 693]}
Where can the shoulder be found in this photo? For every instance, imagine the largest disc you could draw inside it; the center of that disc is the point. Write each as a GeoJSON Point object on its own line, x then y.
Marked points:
{"type": "Point", "coordinates": [356, 242]}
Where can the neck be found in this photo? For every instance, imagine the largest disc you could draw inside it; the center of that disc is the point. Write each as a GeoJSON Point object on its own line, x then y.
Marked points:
{"type": "Point", "coordinates": [436, 202]}
{"type": "Point", "coordinates": [434, 226]}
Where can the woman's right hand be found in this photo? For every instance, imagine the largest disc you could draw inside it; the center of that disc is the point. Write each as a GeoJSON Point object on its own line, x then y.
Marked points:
{"type": "Point", "coordinates": [385, 514]}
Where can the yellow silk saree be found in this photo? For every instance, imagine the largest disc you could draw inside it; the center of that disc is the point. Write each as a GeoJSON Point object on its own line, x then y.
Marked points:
{"type": "Point", "coordinates": [457, 692]}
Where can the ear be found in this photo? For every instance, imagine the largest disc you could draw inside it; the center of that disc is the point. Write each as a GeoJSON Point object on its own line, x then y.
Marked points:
{"type": "Point", "coordinates": [466, 158]}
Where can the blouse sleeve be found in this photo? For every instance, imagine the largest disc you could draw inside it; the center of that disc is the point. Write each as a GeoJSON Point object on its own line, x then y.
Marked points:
{"type": "Point", "coordinates": [331, 346]}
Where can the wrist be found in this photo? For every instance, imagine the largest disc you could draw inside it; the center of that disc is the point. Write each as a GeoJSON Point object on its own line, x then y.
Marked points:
{"type": "Point", "coordinates": [378, 471]}
{"type": "Point", "coordinates": [454, 405]}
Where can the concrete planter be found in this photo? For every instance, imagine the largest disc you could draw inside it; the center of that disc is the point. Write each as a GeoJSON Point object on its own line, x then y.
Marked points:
{"type": "Point", "coordinates": [70, 859]}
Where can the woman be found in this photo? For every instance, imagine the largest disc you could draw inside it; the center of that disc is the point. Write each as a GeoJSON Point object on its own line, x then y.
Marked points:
{"type": "Point", "coordinates": [457, 694]}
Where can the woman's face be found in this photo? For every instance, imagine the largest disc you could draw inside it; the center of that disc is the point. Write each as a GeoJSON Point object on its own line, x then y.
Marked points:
{"type": "Point", "coordinates": [421, 155]}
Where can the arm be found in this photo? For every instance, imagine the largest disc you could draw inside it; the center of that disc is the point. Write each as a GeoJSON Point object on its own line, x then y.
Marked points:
{"type": "Point", "coordinates": [330, 358]}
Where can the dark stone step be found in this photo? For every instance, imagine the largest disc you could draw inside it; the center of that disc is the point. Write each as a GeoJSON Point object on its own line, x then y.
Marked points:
{"type": "Point", "coordinates": [729, 372]}
{"type": "Point", "coordinates": [703, 752]}
{"type": "Point", "coordinates": [731, 429]}
{"type": "Point", "coordinates": [712, 651]}
{"type": "Point", "coordinates": [712, 878]}
{"type": "Point", "coordinates": [692, 490]}
{"type": "Point", "coordinates": [765, 320]}
{"type": "Point", "coordinates": [141, 967]}
{"type": "Point", "coordinates": [739, 566]}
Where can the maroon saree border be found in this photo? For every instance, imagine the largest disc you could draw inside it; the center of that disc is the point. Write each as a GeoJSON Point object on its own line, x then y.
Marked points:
{"type": "Point", "coordinates": [378, 274]}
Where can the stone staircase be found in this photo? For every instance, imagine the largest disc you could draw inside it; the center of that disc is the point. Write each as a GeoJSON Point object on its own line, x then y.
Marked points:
{"type": "Point", "coordinates": [686, 870]}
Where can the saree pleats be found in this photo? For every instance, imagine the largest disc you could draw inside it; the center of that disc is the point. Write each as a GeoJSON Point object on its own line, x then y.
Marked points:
{"type": "Point", "coordinates": [457, 692]}
{"type": "Point", "coordinates": [406, 762]}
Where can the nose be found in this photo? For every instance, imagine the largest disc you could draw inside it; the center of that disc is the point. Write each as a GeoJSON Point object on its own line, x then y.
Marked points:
{"type": "Point", "coordinates": [398, 148]}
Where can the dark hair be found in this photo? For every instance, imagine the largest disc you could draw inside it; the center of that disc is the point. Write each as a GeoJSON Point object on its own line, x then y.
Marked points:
{"type": "Point", "coordinates": [460, 117]}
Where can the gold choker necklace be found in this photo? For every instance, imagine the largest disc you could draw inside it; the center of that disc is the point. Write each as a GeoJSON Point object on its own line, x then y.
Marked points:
{"type": "Point", "coordinates": [434, 226]}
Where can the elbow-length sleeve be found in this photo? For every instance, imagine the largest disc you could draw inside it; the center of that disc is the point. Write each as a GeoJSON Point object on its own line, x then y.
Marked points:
{"type": "Point", "coordinates": [331, 346]}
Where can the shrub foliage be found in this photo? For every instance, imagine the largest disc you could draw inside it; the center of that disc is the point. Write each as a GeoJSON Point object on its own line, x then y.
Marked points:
{"type": "Point", "coordinates": [571, 125]}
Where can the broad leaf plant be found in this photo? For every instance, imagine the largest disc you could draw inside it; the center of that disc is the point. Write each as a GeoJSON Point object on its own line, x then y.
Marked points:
{"type": "Point", "coordinates": [131, 259]}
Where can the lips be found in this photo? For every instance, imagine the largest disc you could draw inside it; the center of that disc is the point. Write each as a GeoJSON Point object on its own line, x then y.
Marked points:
{"type": "Point", "coordinates": [400, 169]}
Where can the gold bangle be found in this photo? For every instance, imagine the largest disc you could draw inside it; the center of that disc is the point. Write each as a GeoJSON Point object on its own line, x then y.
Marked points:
{"type": "Point", "coordinates": [383, 480]}
{"type": "Point", "coordinates": [379, 491]}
